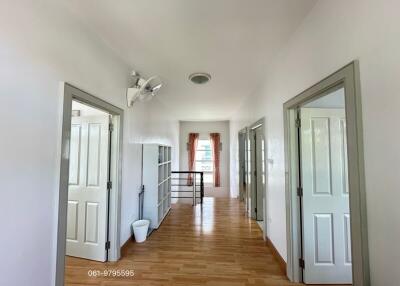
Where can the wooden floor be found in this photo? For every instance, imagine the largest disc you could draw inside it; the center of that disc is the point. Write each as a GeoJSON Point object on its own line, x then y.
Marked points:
{"type": "Point", "coordinates": [210, 245]}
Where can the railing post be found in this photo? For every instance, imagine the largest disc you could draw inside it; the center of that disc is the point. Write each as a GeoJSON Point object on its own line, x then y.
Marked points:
{"type": "Point", "coordinates": [201, 187]}
{"type": "Point", "coordinates": [194, 189]}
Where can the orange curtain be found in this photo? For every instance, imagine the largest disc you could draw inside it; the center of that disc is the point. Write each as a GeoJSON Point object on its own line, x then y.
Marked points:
{"type": "Point", "coordinates": [192, 142]}
{"type": "Point", "coordinates": [215, 142]}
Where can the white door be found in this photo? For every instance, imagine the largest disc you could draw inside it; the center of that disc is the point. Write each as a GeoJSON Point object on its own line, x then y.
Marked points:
{"type": "Point", "coordinates": [87, 195]}
{"type": "Point", "coordinates": [326, 217]}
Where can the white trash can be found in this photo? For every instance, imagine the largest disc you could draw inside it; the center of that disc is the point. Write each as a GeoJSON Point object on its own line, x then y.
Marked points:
{"type": "Point", "coordinates": [140, 229]}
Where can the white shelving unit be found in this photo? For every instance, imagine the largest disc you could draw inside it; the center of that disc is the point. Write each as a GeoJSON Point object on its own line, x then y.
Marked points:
{"type": "Point", "coordinates": [157, 183]}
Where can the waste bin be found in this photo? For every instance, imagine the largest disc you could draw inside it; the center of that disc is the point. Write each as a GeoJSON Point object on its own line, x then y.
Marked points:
{"type": "Point", "coordinates": [140, 229]}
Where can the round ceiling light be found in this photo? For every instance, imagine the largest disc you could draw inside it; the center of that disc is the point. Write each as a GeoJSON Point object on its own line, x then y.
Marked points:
{"type": "Point", "coordinates": [199, 78]}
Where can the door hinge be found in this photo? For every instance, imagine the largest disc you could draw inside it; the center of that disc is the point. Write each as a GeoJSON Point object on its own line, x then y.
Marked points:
{"type": "Point", "coordinates": [111, 127]}
{"type": "Point", "coordinates": [109, 185]}
{"type": "Point", "coordinates": [255, 210]}
{"type": "Point", "coordinates": [255, 173]}
{"type": "Point", "coordinates": [300, 191]}
{"type": "Point", "coordinates": [298, 122]}
{"type": "Point", "coordinates": [301, 263]}
{"type": "Point", "coordinates": [108, 245]}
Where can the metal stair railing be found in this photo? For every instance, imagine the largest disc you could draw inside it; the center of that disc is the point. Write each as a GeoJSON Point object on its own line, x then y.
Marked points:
{"type": "Point", "coordinates": [187, 185]}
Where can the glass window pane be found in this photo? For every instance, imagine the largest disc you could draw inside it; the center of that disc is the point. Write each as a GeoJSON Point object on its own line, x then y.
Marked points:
{"type": "Point", "coordinates": [204, 161]}
{"type": "Point", "coordinates": [208, 178]}
{"type": "Point", "coordinates": [203, 145]}
{"type": "Point", "coordinates": [204, 155]}
{"type": "Point", "coordinates": [204, 166]}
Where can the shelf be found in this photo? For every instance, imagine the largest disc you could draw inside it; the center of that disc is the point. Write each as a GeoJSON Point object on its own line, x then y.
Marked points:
{"type": "Point", "coordinates": [158, 181]}
{"type": "Point", "coordinates": [164, 154]}
{"type": "Point", "coordinates": [165, 213]}
{"type": "Point", "coordinates": [160, 213]}
{"type": "Point", "coordinates": [165, 206]}
{"type": "Point", "coordinates": [163, 181]}
{"type": "Point", "coordinates": [164, 163]}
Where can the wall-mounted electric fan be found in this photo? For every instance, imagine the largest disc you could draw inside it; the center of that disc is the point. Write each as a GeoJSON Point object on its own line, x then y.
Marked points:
{"type": "Point", "coordinates": [143, 90]}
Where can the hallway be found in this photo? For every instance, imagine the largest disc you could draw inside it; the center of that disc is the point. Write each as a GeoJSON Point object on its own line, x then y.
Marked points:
{"type": "Point", "coordinates": [215, 245]}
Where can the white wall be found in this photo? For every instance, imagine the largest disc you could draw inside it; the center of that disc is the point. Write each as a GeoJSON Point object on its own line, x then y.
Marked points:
{"type": "Point", "coordinates": [333, 34]}
{"type": "Point", "coordinates": [204, 129]}
{"type": "Point", "coordinates": [41, 45]}
{"type": "Point", "coordinates": [148, 122]}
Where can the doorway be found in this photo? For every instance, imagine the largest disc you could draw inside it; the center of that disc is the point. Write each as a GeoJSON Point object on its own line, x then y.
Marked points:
{"type": "Point", "coordinates": [257, 171]}
{"type": "Point", "coordinates": [324, 192]}
{"type": "Point", "coordinates": [326, 209]}
{"type": "Point", "coordinates": [89, 183]}
{"type": "Point", "coordinates": [90, 179]}
{"type": "Point", "coordinates": [243, 167]}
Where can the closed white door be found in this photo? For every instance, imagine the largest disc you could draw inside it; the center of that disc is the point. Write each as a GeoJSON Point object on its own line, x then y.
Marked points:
{"type": "Point", "coordinates": [87, 194]}
{"type": "Point", "coordinates": [326, 217]}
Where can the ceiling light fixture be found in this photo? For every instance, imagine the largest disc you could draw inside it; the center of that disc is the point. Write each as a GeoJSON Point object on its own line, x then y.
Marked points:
{"type": "Point", "coordinates": [199, 78]}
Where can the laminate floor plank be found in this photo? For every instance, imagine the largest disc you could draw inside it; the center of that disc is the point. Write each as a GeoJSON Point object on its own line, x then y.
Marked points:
{"type": "Point", "coordinates": [213, 244]}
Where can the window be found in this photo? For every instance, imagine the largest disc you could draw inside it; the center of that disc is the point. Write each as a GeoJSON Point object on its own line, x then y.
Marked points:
{"type": "Point", "coordinates": [204, 161]}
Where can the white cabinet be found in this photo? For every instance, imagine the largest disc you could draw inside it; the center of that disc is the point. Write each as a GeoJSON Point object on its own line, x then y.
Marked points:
{"type": "Point", "coordinates": [157, 182]}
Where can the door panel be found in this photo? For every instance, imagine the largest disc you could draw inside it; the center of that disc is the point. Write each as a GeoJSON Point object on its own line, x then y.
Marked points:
{"type": "Point", "coordinates": [326, 219]}
{"type": "Point", "coordinates": [320, 165]}
{"type": "Point", "coordinates": [93, 165]}
{"type": "Point", "coordinates": [92, 222]}
{"type": "Point", "coordinates": [323, 236]}
{"type": "Point", "coordinates": [72, 226]}
{"type": "Point", "coordinates": [87, 194]}
{"type": "Point", "coordinates": [347, 237]}
{"type": "Point", "coordinates": [343, 156]}
{"type": "Point", "coordinates": [74, 158]}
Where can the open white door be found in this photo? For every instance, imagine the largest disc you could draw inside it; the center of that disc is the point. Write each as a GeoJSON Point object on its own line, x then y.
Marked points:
{"type": "Point", "coordinates": [87, 194]}
{"type": "Point", "coordinates": [326, 217]}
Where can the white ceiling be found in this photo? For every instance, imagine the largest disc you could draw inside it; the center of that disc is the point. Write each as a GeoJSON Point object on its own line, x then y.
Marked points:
{"type": "Point", "coordinates": [233, 40]}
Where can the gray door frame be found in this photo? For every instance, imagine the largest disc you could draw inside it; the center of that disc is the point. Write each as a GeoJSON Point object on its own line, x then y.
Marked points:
{"type": "Point", "coordinates": [70, 93]}
{"type": "Point", "coordinates": [347, 77]}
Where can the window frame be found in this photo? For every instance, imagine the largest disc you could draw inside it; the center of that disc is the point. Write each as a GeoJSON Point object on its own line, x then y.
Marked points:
{"type": "Point", "coordinates": [207, 183]}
